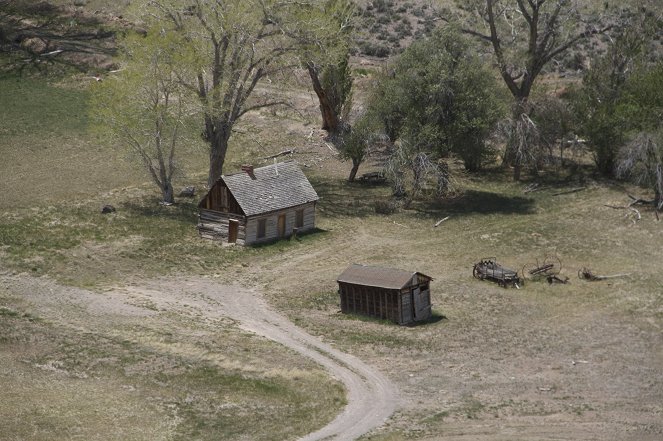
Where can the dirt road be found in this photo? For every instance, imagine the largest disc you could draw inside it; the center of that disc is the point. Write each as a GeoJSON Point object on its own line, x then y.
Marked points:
{"type": "Point", "coordinates": [371, 397]}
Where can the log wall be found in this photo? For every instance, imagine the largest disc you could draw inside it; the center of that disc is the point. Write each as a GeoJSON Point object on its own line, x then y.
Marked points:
{"type": "Point", "coordinates": [214, 225]}
{"type": "Point", "coordinates": [271, 224]}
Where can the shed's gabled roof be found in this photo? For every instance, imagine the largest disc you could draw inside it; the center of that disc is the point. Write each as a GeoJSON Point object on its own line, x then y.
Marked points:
{"type": "Point", "coordinates": [275, 187]}
{"type": "Point", "coordinates": [388, 278]}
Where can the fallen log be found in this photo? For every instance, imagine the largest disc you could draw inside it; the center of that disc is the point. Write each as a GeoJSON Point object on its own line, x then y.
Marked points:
{"type": "Point", "coordinates": [573, 190]}
{"type": "Point", "coordinates": [440, 221]}
{"type": "Point", "coordinates": [531, 188]}
{"type": "Point", "coordinates": [284, 152]}
{"type": "Point", "coordinates": [585, 273]}
{"type": "Point", "coordinates": [554, 279]}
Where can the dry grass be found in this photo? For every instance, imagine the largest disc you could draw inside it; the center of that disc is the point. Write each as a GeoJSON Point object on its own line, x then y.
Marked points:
{"type": "Point", "coordinates": [577, 361]}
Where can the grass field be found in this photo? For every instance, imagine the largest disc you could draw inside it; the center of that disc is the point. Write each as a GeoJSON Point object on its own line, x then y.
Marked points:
{"type": "Point", "coordinates": [575, 361]}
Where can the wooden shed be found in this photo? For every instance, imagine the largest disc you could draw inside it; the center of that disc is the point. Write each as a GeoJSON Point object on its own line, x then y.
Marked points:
{"type": "Point", "coordinates": [385, 293]}
{"type": "Point", "coordinates": [258, 205]}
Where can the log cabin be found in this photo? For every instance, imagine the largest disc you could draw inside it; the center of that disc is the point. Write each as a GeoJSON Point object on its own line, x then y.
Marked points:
{"type": "Point", "coordinates": [385, 293]}
{"type": "Point", "coordinates": [258, 205]}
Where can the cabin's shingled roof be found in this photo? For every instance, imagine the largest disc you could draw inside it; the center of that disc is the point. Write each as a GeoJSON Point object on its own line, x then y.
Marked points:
{"type": "Point", "coordinates": [275, 187]}
{"type": "Point", "coordinates": [388, 278]}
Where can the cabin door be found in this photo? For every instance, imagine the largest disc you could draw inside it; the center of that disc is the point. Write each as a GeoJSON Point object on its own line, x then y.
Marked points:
{"type": "Point", "coordinates": [281, 225]}
{"type": "Point", "coordinates": [233, 228]}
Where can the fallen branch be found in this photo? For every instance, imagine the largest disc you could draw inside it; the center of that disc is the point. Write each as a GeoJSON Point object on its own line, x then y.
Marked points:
{"type": "Point", "coordinates": [636, 201]}
{"type": "Point", "coordinates": [531, 188]}
{"type": "Point", "coordinates": [586, 274]}
{"type": "Point", "coordinates": [573, 190]}
{"type": "Point", "coordinates": [284, 152]}
{"type": "Point", "coordinates": [554, 279]}
{"type": "Point", "coordinates": [440, 221]}
{"type": "Point", "coordinates": [637, 214]}
{"type": "Point", "coordinates": [400, 225]}
{"type": "Point", "coordinates": [628, 207]}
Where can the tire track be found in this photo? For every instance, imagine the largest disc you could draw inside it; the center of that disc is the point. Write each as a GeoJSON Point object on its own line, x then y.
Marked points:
{"type": "Point", "coordinates": [371, 397]}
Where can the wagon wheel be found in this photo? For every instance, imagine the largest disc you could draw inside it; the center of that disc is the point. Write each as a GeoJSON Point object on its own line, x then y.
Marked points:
{"type": "Point", "coordinates": [557, 265]}
{"type": "Point", "coordinates": [527, 268]}
{"type": "Point", "coordinates": [475, 272]}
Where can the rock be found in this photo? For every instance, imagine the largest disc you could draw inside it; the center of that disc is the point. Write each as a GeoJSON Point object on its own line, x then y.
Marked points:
{"type": "Point", "coordinates": [107, 209]}
{"type": "Point", "coordinates": [188, 192]}
{"type": "Point", "coordinates": [35, 45]}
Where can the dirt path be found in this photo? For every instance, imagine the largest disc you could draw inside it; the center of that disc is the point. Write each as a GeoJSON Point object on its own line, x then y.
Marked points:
{"type": "Point", "coordinates": [372, 398]}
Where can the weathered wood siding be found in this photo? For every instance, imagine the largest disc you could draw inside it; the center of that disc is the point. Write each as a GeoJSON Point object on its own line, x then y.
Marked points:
{"type": "Point", "coordinates": [214, 225]}
{"type": "Point", "coordinates": [219, 198]}
{"type": "Point", "coordinates": [371, 301]}
{"type": "Point", "coordinates": [401, 306]}
{"type": "Point", "coordinates": [422, 304]}
{"type": "Point", "coordinates": [271, 223]}
{"type": "Point", "coordinates": [407, 307]}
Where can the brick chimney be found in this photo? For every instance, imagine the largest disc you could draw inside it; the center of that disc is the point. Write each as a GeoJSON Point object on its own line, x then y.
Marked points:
{"type": "Point", "coordinates": [248, 169]}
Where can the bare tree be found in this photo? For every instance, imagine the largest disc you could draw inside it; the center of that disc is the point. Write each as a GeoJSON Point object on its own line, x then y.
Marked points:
{"type": "Point", "coordinates": [410, 169]}
{"type": "Point", "coordinates": [330, 71]}
{"type": "Point", "coordinates": [143, 107]}
{"type": "Point", "coordinates": [525, 36]}
{"type": "Point", "coordinates": [228, 48]}
{"type": "Point", "coordinates": [522, 137]}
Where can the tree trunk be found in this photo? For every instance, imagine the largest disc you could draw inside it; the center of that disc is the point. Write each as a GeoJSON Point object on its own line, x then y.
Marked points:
{"type": "Point", "coordinates": [167, 191]}
{"type": "Point", "coordinates": [217, 157]}
{"type": "Point", "coordinates": [330, 119]}
{"type": "Point", "coordinates": [517, 170]}
{"type": "Point", "coordinates": [353, 172]}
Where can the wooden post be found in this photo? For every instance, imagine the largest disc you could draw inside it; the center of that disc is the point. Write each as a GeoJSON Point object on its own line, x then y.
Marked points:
{"type": "Point", "coordinates": [399, 300]}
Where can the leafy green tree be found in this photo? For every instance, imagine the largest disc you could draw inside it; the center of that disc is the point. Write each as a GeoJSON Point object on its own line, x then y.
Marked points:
{"type": "Point", "coordinates": [227, 48]}
{"type": "Point", "coordinates": [641, 106]}
{"type": "Point", "coordinates": [604, 105]}
{"type": "Point", "coordinates": [435, 100]}
{"type": "Point", "coordinates": [144, 107]}
{"type": "Point", "coordinates": [357, 141]}
{"type": "Point", "coordinates": [598, 101]}
{"type": "Point", "coordinates": [439, 98]}
{"type": "Point", "coordinates": [555, 123]}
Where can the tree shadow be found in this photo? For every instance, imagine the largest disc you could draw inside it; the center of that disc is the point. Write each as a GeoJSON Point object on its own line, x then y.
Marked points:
{"type": "Point", "coordinates": [184, 211]}
{"type": "Point", "coordinates": [301, 237]}
{"type": "Point", "coordinates": [485, 202]}
{"type": "Point", "coordinates": [340, 198]}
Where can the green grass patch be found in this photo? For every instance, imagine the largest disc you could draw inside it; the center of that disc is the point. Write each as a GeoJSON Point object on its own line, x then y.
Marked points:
{"type": "Point", "coordinates": [34, 107]}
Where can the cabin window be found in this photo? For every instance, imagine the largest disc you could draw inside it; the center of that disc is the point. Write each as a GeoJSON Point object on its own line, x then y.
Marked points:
{"type": "Point", "coordinates": [299, 218]}
{"type": "Point", "coordinates": [262, 228]}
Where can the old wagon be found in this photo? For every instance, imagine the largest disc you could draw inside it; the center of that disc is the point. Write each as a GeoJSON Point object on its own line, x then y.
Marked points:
{"type": "Point", "coordinates": [489, 269]}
